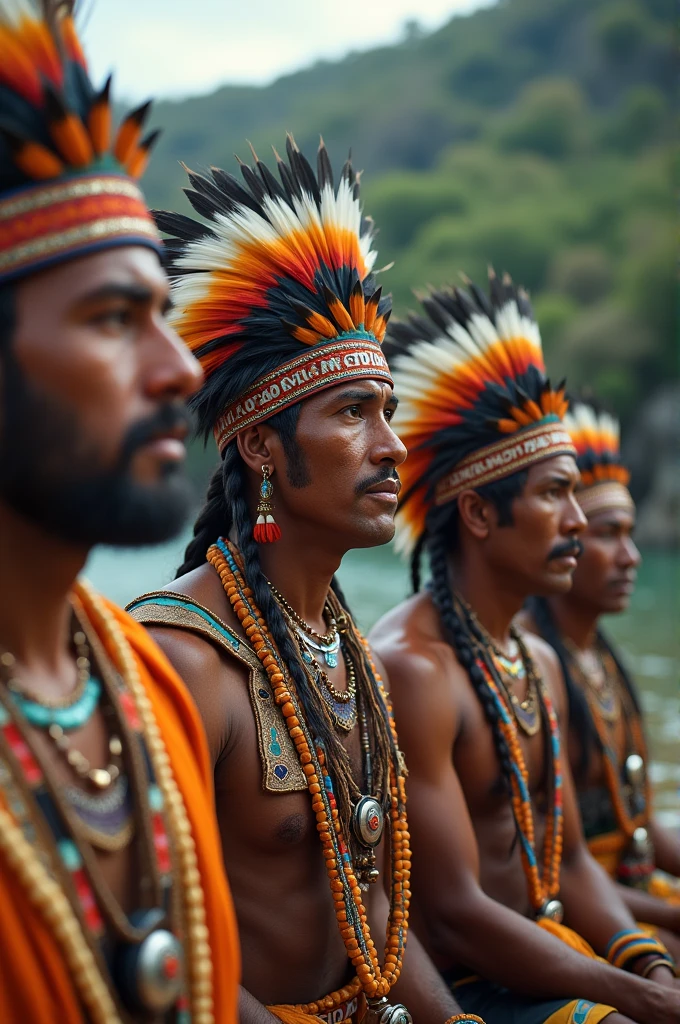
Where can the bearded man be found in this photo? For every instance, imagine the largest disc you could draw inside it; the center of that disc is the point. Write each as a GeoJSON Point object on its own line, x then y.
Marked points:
{"type": "Point", "coordinates": [276, 297]}
{"type": "Point", "coordinates": [607, 748]}
{"type": "Point", "coordinates": [113, 901]}
{"type": "Point", "coordinates": [499, 858]}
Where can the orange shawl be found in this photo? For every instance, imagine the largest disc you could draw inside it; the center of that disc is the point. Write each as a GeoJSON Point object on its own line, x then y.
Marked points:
{"type": "Point", "coordinates": [35, 984]}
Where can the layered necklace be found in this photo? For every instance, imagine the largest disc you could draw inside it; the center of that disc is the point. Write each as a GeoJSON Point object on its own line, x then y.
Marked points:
{"type": "Point", "coordinates": [343, 873]}
{"type": "Point", "coordinates": [543, 879]}
{"type": "Point", "coordinates": [628, 783]}
{"type": "Point", "coordinates": [341, 704]}
{"type": "Point", "coordinates": [152, 961]}
{"type": "Point", "coordinates": [512, 670]}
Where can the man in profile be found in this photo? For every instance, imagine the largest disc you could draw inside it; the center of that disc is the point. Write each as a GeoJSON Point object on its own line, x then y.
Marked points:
{"type": "Point", "coordinates": [499, 858]}
{"type": "Point", "coordinates": [113, 901]}
{"type": "Point", "coordinates": [607, 747]}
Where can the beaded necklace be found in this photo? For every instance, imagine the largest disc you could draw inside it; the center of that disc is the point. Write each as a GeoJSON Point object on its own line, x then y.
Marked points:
{"type": "Point", "coordinates": [374, 980]}
{"type": "Point", "coordinates": [60, 875]}
{"type": "Point", "coordinates": [543, 881]}
{"type": "Point", "coordinates": [628, 819]}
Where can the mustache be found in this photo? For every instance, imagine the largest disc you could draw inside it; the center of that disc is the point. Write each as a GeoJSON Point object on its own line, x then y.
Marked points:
{"type": "Point", "coordinates": [564, 549]}
{"type": "Point", "coordinates": [378, 478]}
{"type": "Point", "coordinates": [169, 417]}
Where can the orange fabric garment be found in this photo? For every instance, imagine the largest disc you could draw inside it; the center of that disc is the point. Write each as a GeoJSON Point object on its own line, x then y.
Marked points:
{"type": "Point", "coordinates": [34, 982]}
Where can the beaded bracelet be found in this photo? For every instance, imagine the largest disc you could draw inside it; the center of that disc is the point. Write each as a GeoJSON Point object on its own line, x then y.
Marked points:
{"type": "Point", "coordinates": [464, 1018]}
{"type": "Point", "coordinates": [629, 945]}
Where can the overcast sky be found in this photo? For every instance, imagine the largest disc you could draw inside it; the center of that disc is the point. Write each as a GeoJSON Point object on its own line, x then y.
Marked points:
{"type": "Point", "coordinates": [182, 47]}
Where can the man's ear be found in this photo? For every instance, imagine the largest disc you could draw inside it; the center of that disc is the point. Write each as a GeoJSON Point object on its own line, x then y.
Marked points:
{"type": "Point", "coordinates": [475, 513]}
{"type": "Point", "coordinates": [258, 446]}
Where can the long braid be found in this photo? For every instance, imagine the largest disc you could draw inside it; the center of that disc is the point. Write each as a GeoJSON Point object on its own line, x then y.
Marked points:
{"type": "Point", "coordinates": [459, 638]}
{"type": "Point", "coordinates": [416, 559]}
{"type": "Point", "coordinates": [213, 521]}
{"type": "Point", "coordinates": [317, 717]}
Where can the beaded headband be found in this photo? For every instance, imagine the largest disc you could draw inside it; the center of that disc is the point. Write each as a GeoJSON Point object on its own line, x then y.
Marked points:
{"type": "Point", "coordinates": [518, 451]}
{"type": "Point", "coordinates": [475, 403]}
{"type": "Point", "coordinates": [298, 379]}
{"type": "Point", "coordinates": [274, 291]}
{"type": "Point", "coordinates": [604, 478]}
{"type": "Point", "coordinates": [67, 187]}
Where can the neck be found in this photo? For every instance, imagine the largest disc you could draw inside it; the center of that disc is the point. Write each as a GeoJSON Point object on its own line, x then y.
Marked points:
{"type": "Point", "coordinates": [494, 599]}
{"type": "Point", "coordinates": [302, 571]}
{"type": "Point", "coordinates": [37, 573]}
{"type": "Point", "coordinates": [575, 621]}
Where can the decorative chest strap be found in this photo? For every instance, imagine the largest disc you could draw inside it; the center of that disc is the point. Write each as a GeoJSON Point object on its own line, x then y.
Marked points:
{"type": "Point", "coordinates": [281, 771]}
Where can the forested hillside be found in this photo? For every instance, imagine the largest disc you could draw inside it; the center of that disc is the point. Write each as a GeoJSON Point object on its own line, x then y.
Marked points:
{"type": "Point", "coordinates": [534, 135]}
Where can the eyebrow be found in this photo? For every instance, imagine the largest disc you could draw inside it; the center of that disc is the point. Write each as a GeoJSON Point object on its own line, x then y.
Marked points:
{"type": "Point", "coordinates": [366, 396]}
{"type": "Point", "coordinates": [561, 481]}
{"type": "Point", "coordinates": [136, 293]}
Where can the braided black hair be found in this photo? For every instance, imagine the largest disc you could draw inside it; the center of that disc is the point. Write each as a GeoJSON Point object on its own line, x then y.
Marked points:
{"type": "Point", "coordinates": [580, 718]}
{"type": "Point", "coordinates": [440, 538]}
{"type": "Point", "coordinates": [457, 633]}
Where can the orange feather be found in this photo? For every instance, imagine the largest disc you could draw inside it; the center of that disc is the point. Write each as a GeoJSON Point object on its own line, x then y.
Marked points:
{"type": "Point", "coordinates": [37, 162]}
{"type": "Point", "coordinates": [357, 305]}
{"type": "Point", "coordinates": [339, 313]}
{"type": "Point", "coordinates": [371, 310]}
{"type": "Point", "coordinates": [533, 410]}
{"type": "Point", "coordinates": [99, 120]}
{"type": "Point", "coordinates": [72, 42]}
{"type": "Point", "coordinates": [303, 335]}
{"type": "Point", "coordinates": [321, 325]}
{"type": "Point", "coordinates": [507, 426]}
{"type": "Point", "coordinates": [129, 133]}
{"type": "Point", "coordinates": [72, 140]}
{"type": "Point", "coordinates": [519, 416]}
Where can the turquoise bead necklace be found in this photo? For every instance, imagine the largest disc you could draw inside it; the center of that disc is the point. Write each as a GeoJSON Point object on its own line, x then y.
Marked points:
{"type": "Point", "coordinates": [58, 717]}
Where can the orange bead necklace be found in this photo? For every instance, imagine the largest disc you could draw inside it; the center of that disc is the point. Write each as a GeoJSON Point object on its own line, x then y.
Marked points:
{"type": "Point", "coordinates": [375, 981]}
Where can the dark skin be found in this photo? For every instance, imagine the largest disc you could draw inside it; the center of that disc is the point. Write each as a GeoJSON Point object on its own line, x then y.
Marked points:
{"type": "Point", "coordinates": [603, 583]}
{"type": "Point", "coordinates": [292, 949]}
{"type": "Point", "coordinates": [471, 901]}
{"type": "Point", "coordinates": [92, 334]}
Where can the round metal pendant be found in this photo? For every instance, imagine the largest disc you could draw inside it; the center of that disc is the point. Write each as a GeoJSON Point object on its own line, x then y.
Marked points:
{"type": "Point", "coordinates": [554, 911]}
{"type": "Point", "coordinates": [641, 845]}
{"type": "Point", "coordinates": [150, 974]}
{"type": "Point", "coordinates": [635, 770]}
{"type": "Point", "coordinates": [382, 1012]}
{"type": "Point", "coordinates": [368, 821]}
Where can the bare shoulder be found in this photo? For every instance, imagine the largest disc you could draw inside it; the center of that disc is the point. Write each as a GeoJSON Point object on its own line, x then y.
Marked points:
{"type": "Point", "coordinates": [216, 680]}
{"type": "Point", "coordinates": [417, 657]}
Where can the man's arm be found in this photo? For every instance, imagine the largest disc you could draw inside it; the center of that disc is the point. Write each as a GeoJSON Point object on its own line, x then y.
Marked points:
{"type": "Point", "coordinates": [461, 924]}
{"type": "Point", "coordinates": [666, 848]}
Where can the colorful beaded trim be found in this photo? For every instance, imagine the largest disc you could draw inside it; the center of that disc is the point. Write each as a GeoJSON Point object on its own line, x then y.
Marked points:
{"type": "Point", "coordinates": [544, 884]}
{"type": "Point", "coordinates": [347, 895]}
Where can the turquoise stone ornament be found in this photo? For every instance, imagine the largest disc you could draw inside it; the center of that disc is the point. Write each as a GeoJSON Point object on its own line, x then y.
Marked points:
{"type": "Point", "coordinates": [75, 716]}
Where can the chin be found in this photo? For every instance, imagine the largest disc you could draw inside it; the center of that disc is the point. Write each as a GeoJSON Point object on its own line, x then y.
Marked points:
{"type": "Point", "coordinates": [554, 583]}
{"type": "Point", "coordinates": [379, 532]}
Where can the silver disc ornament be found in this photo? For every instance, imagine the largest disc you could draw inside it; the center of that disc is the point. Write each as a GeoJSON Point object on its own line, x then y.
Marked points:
{"type": "Point", "coordinates": [380, 1011]}
{"type": "Point", "coordinates": [149, 974]}
{"type": "Point", "coordinates": [368, 821]}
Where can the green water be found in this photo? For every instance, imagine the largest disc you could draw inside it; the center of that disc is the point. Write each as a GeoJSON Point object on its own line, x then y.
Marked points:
{"type": "Point", "coordinates": [375, 580]}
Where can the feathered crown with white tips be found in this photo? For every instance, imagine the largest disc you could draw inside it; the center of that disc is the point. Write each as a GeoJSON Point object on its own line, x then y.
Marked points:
{"type": "Point", "coordinates": [468, 372]}
{"type": "Point", "coordinates": [282, 265]}
{"type": "Point", "coordinates": [595, 435]}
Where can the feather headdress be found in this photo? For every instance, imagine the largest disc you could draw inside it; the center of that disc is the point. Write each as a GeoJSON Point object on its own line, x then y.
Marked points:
{"type": "Point", "coordinates": [604, 478]}
{"type": "Point", "coordinates": [67, 182]}
{"type": "Point", "coordinates": [475, 402]}
{"type": "Point", "coordinates": [274, 294]}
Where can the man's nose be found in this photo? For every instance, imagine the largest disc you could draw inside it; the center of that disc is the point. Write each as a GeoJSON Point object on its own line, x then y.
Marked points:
{"type": "Point", "coordinates": [573, 521]}
{"type": "Point", "coordinates": [171, 369]}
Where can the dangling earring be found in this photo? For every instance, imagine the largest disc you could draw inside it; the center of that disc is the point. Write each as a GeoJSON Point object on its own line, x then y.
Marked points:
{"type": "Point", "coordinates": [266, 530]}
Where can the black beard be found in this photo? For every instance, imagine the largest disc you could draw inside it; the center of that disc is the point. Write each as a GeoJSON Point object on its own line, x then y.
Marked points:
{"type": "Point", "coordinates": [51, 474]}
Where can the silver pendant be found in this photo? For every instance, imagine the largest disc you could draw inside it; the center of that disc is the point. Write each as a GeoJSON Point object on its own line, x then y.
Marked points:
{"type": "Point", "coordinates": [641, 845]}
{"type": "Point", "coordinates": [150, 974]}
{"type": "Point", "coordinates": [381, 1012]}
{"type": "Point", "coordinates": [635, 771]}
{"type": "Point", "coordinates": [368, 821]}
{"type": "Point", "coordinates": [553, 910]}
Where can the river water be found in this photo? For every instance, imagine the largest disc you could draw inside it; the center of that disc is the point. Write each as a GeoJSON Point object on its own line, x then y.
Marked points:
{"type": "Point", "coordinates": [376, 579]}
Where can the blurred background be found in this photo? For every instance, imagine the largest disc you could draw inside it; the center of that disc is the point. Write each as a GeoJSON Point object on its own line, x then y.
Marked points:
{"type": "Point", "coordinates": [534, 136]}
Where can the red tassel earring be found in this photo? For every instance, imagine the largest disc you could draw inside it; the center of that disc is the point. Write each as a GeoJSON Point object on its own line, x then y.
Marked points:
{"type": "Point", "coordinates": [266, 530]}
